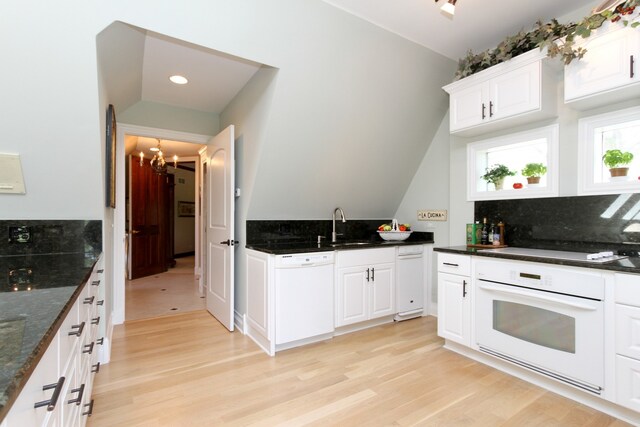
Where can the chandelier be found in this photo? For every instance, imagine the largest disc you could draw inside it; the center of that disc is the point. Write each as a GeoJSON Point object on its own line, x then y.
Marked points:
{"type": "Point", "coordinates": [158, 163]}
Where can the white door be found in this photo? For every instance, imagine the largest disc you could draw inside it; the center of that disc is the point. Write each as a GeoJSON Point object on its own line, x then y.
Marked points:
{"type": "Point", "coordinates": [351, 295]}
{"type": "Point", "coordinates": [454, 309]}
{"type": "Point", "coordinates": [219, 207]}
{"type": "Point", "coordinates": [515, 92]}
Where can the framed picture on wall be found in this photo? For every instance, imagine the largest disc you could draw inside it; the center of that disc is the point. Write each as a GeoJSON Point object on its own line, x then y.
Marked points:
{"type": "Point", "coordinates": [186, 209]}
{"type": "Point", "coordinates": [110, 167]}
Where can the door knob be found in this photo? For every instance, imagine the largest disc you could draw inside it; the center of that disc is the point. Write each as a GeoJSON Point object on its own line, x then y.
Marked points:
{"type": "Point", "coordinates": [136, 231]}
{"type": "Point", "coordinates": [226, 242]}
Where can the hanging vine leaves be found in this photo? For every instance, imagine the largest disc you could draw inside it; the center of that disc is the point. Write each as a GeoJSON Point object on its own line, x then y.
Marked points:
{"type": "Point", "coordinates": [559, 39]}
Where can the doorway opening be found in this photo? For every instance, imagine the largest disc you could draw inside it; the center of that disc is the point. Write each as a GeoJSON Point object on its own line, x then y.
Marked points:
{"type": "Point", "coordinates": [161, 229]}
{"type": "Point", "coordinates": [141, 223]}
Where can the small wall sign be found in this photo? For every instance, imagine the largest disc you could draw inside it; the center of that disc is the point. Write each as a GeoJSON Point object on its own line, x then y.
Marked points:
{"type": "Point", "coordinates": [432, 215]}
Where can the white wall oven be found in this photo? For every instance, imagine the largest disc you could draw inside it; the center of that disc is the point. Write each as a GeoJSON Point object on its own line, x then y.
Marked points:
{"type": "Point", "coordinates": [546, 319]}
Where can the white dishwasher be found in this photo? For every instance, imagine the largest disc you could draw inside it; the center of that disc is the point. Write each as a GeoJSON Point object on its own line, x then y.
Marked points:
{"type": "Point", "coordinates": [409, 282]}
{"type": "Point", "coordinates": [303, 296]}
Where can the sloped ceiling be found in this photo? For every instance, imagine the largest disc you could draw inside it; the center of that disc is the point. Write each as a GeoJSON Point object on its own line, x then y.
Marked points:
{"type": "Point", "coordinates": [477, 24]}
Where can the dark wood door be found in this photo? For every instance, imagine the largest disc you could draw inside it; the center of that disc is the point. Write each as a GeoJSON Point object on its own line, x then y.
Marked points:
{"type": "Point", "coordinates": [150, 221]}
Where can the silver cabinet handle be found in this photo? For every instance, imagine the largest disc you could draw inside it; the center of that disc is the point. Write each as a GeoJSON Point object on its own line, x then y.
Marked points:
{"type": "Point", "coordinates": [484, 108]}
{"type": "Point", "coordinates": [367, 274]}
{"type": "Point", "coordinates": [464, 288]}
{"type": "Point", "coordinates": [78, 329]}
{"type": "Point", "coordinates": [373, 274]}
{"type": "Point", "coordinates": [490, 108]}
{"type": "Point", "coordinates": [450, 264]}
{"type": "Point", "coordinates": [631, 63]}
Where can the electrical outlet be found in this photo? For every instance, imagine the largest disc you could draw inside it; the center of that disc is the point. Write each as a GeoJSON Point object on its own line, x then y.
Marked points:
{"type": "Point", "coordinates": [20, 234]}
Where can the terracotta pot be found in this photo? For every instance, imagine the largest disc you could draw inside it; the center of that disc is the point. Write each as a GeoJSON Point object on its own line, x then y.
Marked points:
{"type": "Point", "coordinates": [533, 179]}
{"type": "Point", "coordinates": [618, 171]}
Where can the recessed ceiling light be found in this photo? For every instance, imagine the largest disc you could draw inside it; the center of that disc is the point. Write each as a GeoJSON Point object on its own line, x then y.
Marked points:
{"type": "Point", "coordinates": [179, 80]}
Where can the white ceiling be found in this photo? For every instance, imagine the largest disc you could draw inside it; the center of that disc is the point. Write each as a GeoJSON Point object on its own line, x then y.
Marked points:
{"type": "Point", "coordinates": [477, 24]}
{"type": "Point", "coordinates": [214, 77]}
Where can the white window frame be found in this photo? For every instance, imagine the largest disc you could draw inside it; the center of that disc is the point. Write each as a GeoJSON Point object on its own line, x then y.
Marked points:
{"type": "Point", "coordinates": [586, 127]}
{"type": "Point", "coordinates": [550, 133]}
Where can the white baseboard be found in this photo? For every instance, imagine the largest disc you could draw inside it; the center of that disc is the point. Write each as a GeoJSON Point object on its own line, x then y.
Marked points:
{"type": "Point", "coordinates": [104, 351]}
{"type": "Point", "coordinates": [240, 322]}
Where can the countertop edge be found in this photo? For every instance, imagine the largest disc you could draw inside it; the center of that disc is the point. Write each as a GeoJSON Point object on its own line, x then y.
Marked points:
{"type": "Point", "coordinates": [327, 248]}
{"type": "Point", "coordinates": [463, 250]}
{"type": "Point", "coordinates": [20, 379]}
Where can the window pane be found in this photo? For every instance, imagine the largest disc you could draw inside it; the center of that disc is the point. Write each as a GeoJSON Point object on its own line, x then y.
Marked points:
{"type": "Point", "coordinates": [624, 137]}
{"type": "Point", "coordinates": [515, 157]}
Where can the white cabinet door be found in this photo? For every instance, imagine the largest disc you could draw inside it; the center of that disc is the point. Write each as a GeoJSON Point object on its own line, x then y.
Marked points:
{"type": "Point", "coordinates": [351, 296]}
{"type": "Point", "coordinates": [515, 92]}
{"type": "Point", "coordinates": [454, 308]}
{"type": "Point", "coordinates": [628, 382]}
{"type": "Point", "coordinates": [467, 107]}
{"type": "Point", "coordinates": [628, 331]}
{"type": "Point", "coordinates": [382, 290]}
{"type": "Point", "coordinates": [610, 62]}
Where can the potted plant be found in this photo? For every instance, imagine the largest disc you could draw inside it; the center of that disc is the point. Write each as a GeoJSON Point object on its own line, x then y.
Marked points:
{"type": "Point", "coordinates": [616, 161]}
{"type": "Point", "coordinates": [496, 175]}
{"type": "Point", "coordinates": [533, 172]}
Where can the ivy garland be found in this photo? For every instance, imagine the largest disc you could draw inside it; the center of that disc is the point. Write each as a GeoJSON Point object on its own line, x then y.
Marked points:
{"type": "Point", "coordinates": [560, 39]}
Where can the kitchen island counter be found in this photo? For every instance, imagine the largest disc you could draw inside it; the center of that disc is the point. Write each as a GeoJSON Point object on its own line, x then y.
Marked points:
{"type": "Point", "coordinates": [35, 297]}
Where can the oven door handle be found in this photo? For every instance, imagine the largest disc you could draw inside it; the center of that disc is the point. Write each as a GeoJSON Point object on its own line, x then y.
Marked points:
{"type": "Point", "coordinates": [538, 297]}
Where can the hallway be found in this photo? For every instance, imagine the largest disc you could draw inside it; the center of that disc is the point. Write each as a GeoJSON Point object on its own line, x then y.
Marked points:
{"type": "Point", "coordinates": [165, 294]}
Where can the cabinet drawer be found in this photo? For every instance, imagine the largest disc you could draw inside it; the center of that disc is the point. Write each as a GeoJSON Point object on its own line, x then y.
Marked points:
{"type": "Point", "coordinates": [628, 289]}
{"type": "Point", "coordinates": [628, 382]}
{"type": "Point", "coordinates": [628, 331]}
{"type": "Point", "coordinates": [454, 264]}
{"type": "Point", "coordinates": [352, 258]}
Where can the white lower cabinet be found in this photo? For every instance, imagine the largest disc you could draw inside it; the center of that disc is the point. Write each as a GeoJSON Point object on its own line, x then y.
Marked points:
{"type": "Point", "coordinates": [454, 300]}
{"type": "Point", "coordinates": [627, 338]}
{"type": "Point", "coordinates": [365, 285]}
{"type": "Point", "coordinates": [58, 392]}
{"type": "Point", "coordinates": [628, 382]}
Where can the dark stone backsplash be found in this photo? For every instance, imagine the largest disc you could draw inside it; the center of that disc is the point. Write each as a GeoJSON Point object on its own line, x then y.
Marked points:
{"type": "Point", "coordinates": [580, 223]}
{"type": "Point", "coordinates": [301, 231]}
{"type": "Point", "coordinates": [53, 237]}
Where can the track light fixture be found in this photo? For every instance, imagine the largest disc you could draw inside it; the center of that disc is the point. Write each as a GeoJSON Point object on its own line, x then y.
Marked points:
{"type": "Point", "coordinates": [449, 7]}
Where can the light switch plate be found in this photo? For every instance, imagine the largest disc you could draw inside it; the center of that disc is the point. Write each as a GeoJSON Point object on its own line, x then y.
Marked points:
{"type": "Point", "coordinates": [11, 179]}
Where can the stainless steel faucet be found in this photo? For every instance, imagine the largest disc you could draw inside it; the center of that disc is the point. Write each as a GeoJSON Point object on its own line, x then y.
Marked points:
{"type": "Point", "coordinates": [342, 217]}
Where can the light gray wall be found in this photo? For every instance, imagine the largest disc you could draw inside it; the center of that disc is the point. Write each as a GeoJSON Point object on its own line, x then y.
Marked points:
{"type": "Point", "coordinates": [249, 113]}
{"type": "Point", "coordinates": [162, 116]}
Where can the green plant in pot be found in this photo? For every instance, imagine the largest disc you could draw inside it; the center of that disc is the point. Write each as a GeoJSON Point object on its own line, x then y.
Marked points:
{"type": "Point", "coordinates": [533, 172]}
{"type": "Point", "coordinates": [617, 161]}
{"type": "Point", "coordinates": [496, 174]}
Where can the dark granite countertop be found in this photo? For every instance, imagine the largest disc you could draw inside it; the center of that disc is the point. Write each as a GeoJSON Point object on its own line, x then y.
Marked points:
{"type": "Point", "coordinates": [36, 293]}
{"type": "Point", "coordinates": [276, 247]}
{"type": "Point", "coordinates": [626, 265]}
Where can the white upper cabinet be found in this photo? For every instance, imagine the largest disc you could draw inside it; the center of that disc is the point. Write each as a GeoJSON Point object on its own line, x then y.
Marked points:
{"type": "Point", "coordinates": [517, 91]}
{"type": "Point", "coordinates": [608, 72]}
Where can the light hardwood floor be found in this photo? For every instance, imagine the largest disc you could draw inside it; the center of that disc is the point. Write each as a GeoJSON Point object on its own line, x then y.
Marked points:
{"type": "Point", "coordinates": [187, 370]}
{"type": "Point", "coordinates": [164, 294]}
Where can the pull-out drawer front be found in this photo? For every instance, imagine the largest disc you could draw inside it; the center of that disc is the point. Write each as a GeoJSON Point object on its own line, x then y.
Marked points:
{"type": "Point", "coordinates": [454, 264]}
{"type": "Point", "coordinates": [628, 382]}
{"type": "Point", "coordinates": [628, 331]}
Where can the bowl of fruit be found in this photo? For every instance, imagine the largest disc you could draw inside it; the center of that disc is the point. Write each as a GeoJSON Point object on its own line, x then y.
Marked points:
{"type": "Point", "coordinates": [394, 231]}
